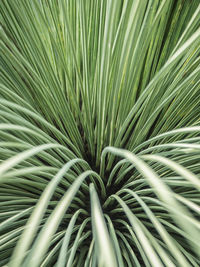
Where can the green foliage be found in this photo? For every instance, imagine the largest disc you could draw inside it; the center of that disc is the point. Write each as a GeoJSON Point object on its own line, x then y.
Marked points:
{"type": "Point", "coordinates": [99, 133]}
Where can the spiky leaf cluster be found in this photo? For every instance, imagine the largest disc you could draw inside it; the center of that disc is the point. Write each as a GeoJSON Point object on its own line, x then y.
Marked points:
{"type": "Point", "coordinates": [99, 133]}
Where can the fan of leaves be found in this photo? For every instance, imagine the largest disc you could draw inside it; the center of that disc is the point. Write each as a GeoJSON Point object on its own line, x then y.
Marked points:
{"type": "Point", "coordinates": [99, 133]}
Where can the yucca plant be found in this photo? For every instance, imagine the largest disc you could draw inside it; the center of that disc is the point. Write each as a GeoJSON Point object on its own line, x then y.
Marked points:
{"type": "Point", "coordinates": [99, 133]}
